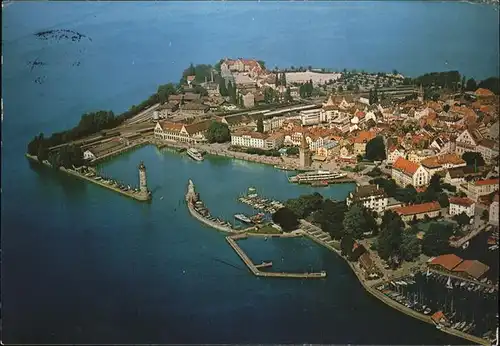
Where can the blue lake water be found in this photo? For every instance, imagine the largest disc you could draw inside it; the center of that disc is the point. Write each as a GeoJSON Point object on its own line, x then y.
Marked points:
{"type": "Point", "coordinates": [81, 264]}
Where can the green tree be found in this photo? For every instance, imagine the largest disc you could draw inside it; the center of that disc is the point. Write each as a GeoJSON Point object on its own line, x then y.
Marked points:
{"type": "Point", "coordinates": [485, 215]}
{"type": "Point", "coordinates": [473, 159]}
{"type": "Point", "coordinates": [340, 89]}
{"type": "Point", "coordinates": [390, 236]}
{"type": "Point", "coordinates": [410, 247]}
{"type": "Point", "coordinates": [436, 239]}
{"type": "Point", "coordinates": [276, 80]}
{"type": "Point", "coordinates": [462, 219]}
{"type": "Point", "coordinates": [43, 153]}
{"type": "Point", "coordinates": [492, 84]}
{"type": "Point", "coordinates": [443, 200]}
{"type": "Point", "coordinates": [292, 151]}
{"type": "Point", "coordinates": [164, 91]}
{"type": "Point", "coordinates": [286, 218]}
{"type": "Point", "coordinates": [262, 64]}
{"type": "Point", "coordinates": [346, 245]}
{"type": "Point", "coordinates": [375, 149]}
{"type": "Point", "coordinates": [260, 125]}
{"type": "Point", "coordinates": [218, 133]}
{"type": "Point", "coordinates": [471, 85]}
{"type": "Point", "coordinates": [355, 222]}
{"type": "Point", "coordinates": [222, 87]}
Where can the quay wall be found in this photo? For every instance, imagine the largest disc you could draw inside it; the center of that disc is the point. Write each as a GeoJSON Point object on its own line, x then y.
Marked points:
{"type": "Point", "coordinates": [209, 222]}
{"type": "Point", "coordinates": [135, 195]}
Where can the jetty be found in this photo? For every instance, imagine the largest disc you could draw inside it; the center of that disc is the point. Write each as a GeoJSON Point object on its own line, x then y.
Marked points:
{"type": "Point", "coordinates": [141, 194]}
{"type": "Point", "coordinates": [199, 212]}
{"type": "Point", "coordinates": [255, 268]}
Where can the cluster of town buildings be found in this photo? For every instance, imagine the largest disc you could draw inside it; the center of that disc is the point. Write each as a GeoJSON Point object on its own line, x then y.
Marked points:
{"type": "Point", "coordinates": [421, 137]}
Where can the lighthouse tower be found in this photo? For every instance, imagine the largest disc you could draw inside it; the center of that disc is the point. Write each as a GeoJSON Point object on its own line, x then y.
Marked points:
{"type": "Point", "coordinates": [143, 186]}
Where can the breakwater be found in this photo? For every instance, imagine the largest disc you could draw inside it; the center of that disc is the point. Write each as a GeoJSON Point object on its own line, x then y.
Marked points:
{"type": "Point", "coordinates": [253, 268]}
{"type": "Point", "coordinates": [139, 196]}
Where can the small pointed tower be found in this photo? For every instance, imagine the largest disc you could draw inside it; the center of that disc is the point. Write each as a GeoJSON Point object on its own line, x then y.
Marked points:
{"type": "Point", "coordinates": [143, 185]}
{"type": "Point", "coordinates": [421, 94]}
{"type": "Point", "coordinates": [304, 153]}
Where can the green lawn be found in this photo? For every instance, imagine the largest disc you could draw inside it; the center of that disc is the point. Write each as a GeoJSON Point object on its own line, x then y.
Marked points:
{"type": "Point", "coordinates": [267, 229]}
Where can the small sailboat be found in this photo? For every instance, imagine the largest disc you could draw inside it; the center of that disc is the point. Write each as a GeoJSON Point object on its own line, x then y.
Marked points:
{"type": "Point", "coordinates": [449, 284]}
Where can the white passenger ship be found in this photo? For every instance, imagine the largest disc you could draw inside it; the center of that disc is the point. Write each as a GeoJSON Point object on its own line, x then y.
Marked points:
{"type": "Point", "coordinates": [310, 177]}
{"type": "Point", "coordinates": [194, 154]}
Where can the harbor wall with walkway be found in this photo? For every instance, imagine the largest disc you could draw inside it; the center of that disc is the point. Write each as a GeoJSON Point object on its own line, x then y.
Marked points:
{"type": "Point", "coordinates": [257, 272]}
{"type": "Point", "coordinates": [135, 195]}
{"type": "Point", "coordinates": [209, 223]}
{"type": "Point", "coordinates": [370, 288]}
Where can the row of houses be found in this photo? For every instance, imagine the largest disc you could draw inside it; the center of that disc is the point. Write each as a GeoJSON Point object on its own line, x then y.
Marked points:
{"type": "Point", "coordinates": [374, 198]}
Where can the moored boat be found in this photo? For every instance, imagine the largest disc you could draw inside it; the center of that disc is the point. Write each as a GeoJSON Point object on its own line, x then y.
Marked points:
{"type": "Point", "coordinates": [194, 154]}
{"type": "Point", "coordinates": [315, 176]}
{"type": "Point", "coordinates": [242, 218]}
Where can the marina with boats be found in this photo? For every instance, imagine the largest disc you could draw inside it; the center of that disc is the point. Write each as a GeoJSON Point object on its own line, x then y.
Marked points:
{"type": "Point", "coordinates": [451, 303]}
{"type": "Point", "coordinates": [267, 205]}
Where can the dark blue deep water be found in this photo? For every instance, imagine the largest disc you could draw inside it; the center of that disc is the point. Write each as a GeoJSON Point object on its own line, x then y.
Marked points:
{"type": "Point", "coordinates": [81, 264]}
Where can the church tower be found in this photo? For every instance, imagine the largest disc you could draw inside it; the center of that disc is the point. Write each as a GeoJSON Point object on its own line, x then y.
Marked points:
{"type": "Point", "coordinates": [304, 153]}
{"type": "Point", "coordinates": [143, 186]}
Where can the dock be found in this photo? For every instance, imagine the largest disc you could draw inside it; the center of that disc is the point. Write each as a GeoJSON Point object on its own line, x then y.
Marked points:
{"type": "Point", "coordinates": [139, 196]}
{"type": "Point", "coordinates": [255, 269]}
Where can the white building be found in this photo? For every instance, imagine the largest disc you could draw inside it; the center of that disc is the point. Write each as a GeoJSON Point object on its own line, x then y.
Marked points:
{"type": "Point", "coordinates": [459, 205]}
{"type": "Point", "coordinates": [439, 163]}
{"type": "Point", "coordinates": [494, 211]}
{"type": "Point", "coordinates": [273, 123]}
{"type": "Point", "coordinates": [178, 132]}
{"type": "Point", "coordinates": [311, 117]}
{"type": "Point", "coordinates": [257, 140]}
{"type": "Point", "coordinates": [393, 154]}
{"type": "Point", "coordinates": [476, 189]}
{"type": "Point", "coordinates": [405, 173]}
{"type": "Point", "coordinates": [370, 196]}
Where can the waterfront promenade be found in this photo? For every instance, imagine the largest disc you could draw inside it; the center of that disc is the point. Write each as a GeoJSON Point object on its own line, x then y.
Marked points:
{"type": "Point", "coordinates": [139, 196]}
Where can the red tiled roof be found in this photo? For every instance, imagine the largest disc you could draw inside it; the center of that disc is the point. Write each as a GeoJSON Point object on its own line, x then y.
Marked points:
{"type": "Point", "coordinates": [405, 166]}
{"type": "Point", "coordinates": [448, 261]}
{"type": "Point", "coordinates": [464, 201]}
{"type": "Point", "coordinates": [484, 92]}
{"type": "Point", "coordinates": [437, 316]}
{"type": "Point", "coordinates": [474, 268]}
{"type": "Point", "coordinates": [418, 208]}
{"type": "Point", "coordinates": [488, 181]}
{"type": "Point", "coordinates": [171, 126]}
